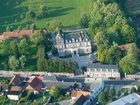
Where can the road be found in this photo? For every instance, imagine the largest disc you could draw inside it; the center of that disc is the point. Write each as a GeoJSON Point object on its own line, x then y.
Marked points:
{"type": "Point", "coordinates": [120, 82]}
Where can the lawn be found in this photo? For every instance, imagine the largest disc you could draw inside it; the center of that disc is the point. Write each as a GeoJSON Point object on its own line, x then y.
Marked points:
{"type": "Point", "coordinates": [12, 12]}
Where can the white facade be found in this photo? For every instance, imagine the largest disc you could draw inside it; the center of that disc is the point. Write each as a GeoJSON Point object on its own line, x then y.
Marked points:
{"type": "Point", "coordinates": [73, 44]}
{"type": "Point", "coordinates": [14, 97]}
{"type": "Point", "coordinates": [102, 71]}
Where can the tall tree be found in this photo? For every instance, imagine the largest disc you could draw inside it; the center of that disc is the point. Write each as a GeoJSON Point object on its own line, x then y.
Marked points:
{"type": "Point", "coordinates": [41, 60]}
{"type": "Point", "coordinates": [84, 21]}
{"type": "Point", "coordinates": [130, 63]}
{"type": "Point", "coordinates": [24, 47]}
{"type": "Point", "coordinates": [43, 11]}
{"type": "Point", "coordinates": [102, 98]}
{"type": "Point", "coordinates": [55, 91]}
{"type": "Point", "coordinates": [22, 61]}
{"type": "Point", "coordinates": [14, 48]}
{"type": "Point", "coordinates": [13, 63]}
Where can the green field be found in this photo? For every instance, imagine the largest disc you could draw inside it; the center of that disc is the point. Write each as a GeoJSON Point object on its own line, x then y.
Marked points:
{"type": "Point", "coordinates": [66, 11]}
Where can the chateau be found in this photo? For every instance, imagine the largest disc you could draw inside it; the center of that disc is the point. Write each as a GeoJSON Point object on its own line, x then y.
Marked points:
{"type": "Point", "coordinates": [72, 43]}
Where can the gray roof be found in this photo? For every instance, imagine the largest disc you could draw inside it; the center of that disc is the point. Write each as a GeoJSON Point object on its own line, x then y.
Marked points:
{"type": "Point", "coordinates": [131, 99]}
{"type": "Point", "coordinates": [60, 84]}
{"type": "Point", "coordinates": [75, 36]}
{"type": "Point", "coordinates": [102, 66]}
{"type": "Point", "coordinates": [49, 78]}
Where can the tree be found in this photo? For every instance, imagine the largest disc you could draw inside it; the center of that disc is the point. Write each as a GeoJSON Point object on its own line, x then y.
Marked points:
{"type": "Point", "coordinates": [84, 21]}
{"type": "Point", "coordinates": [24, 47]}
{"type": "Point", "coordinates": [30, 15]}
{"type": "Point", "coordinates": [9, 28]}
{"type": "Point", "coordinates": [41, 59]}
{"type": "Point", "coordinates": [13, 63]}
{"type": "Point", "coordinates": [55, 91]}
{"type": "Point", "coordinates": [112, 92]}
{"type": "Point", "coordinates": [114, 54]}
{"type": "Point", "coordinates": [130, 63]}
{"type": "Point", "coordinates": [19, 28]}
{"type": "Point", "coordinates": [106, 90]}
{"type": "Point", "coordinates": [6, 47]}
{"type": "Point", "coordinates": [14, 48]}
{"type": "Point", "coordinates": [138, 87]}
{"type": "Point", "coordinates": [133, 89]}
{"type": "Point", "coordinates": [43, 11]}
{"type": "Point", "coordinates": [39, 37]}
{"type": "Point", "coordinates": [102, 98]}
{"type": "Point", "coordinates": [33, 26]}
{"type": "Point", "coordinates": [132, 49]}
{"type": "Point", "coordinates": [22, 61]}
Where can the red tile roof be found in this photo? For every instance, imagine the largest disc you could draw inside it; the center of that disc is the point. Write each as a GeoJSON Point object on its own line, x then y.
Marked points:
{"type": "Point", "coordinates": [15, 88]}
{"type": "Point", "coordinates": [36, 84]}
{"type": "Point", "coordinates": [124, 46]}
{"type": "Point", "coordinates": [79, 93]}
{"type": "Point", "coordinates": [21, 33]}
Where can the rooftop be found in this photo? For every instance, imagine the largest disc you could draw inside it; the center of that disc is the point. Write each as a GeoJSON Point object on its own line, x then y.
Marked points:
{"type": "Point", "coordinates": [124, 46]}
{"type": "Point", "coordinates": [131, 99]}
{"type": "Point", "coordinates": [100, 66]}
{"type": "Point", "coordinates": [76, 36]}
{"type": "Point", "coordinates": [79, 93]}
{"type": "Point", "coordinates": [17, 34]}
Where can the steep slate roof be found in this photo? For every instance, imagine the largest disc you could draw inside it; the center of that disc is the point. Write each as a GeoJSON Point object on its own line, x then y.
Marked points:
{"type": "Point", "coordinates": [75, 36]}
{"type": "Point", "coordinates": [99, 66]}
{"type": "Point", "coordinates": [64, 85]}
{"type": "Point", "coordinates": [36, 84]}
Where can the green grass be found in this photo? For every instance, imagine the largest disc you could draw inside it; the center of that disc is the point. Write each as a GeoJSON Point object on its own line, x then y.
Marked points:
{"type": "Point", "coordinates": [66, 11]}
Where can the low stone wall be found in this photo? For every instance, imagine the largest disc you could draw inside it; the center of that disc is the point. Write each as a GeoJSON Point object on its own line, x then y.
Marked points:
{"type": "Point", "coordinates": [11, 73]}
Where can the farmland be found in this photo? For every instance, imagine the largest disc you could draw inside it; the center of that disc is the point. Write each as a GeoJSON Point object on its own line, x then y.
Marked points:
{"type": "Point", "coordinates": [13, 12]}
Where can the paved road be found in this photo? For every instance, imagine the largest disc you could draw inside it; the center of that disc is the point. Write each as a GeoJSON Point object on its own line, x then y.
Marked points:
{"type": "Point", "coordinates": [121, 82]}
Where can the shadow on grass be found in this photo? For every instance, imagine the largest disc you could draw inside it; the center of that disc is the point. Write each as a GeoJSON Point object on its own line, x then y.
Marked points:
{"type": "Point", "coordinates": [59, 11]}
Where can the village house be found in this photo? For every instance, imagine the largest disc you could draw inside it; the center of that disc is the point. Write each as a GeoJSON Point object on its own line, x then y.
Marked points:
{"type": "Point", "coordinates": [35, 85]}
{"type": "Point", "coordinates": [16, 88]}
{"type": "Point", "coordinates": [103, 71]}
{"type": "Point", "coordinates": [76, 95]}
{"type": "Point", "coordinates": [3, 88]}
{"type": "Point", "coordinates": [72, 43]}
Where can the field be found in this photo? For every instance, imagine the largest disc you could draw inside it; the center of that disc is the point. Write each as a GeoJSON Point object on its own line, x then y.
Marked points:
{"type": "Point", "coordinates": [12, 12]}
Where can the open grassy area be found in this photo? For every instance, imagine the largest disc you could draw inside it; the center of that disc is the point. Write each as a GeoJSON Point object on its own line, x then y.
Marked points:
{"type": "Point", "coordinates": [12, 12]}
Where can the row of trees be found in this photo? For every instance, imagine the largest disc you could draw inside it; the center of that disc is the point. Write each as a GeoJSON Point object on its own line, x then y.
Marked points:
{"type": "Point", "coordinates": [109, 28]}
{"type": "Point", "coordinates": [23, 52]}
{"type": "Point", "coordinates": [43, 11]}
{"type": "Point", "coordinates": [44, 64]}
